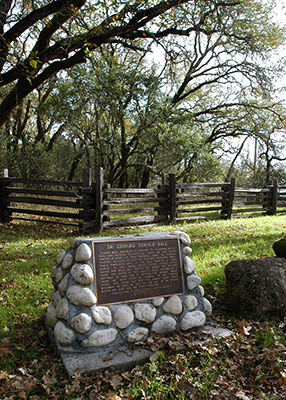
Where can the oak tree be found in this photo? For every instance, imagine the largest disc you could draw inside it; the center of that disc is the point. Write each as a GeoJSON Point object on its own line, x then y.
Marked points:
{"type": "Point", "coordinates": [40, 38]}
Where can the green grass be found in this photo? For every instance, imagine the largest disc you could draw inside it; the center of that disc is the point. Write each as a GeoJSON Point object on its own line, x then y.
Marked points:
{"type": "Point", "coordinates": [29, 368]}
{"type": "Point", "coordinates": [216, 243]}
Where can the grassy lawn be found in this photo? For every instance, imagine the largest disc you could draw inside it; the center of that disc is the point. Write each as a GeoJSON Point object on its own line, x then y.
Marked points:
{"type": "Point", "coordinates": [251, 364]}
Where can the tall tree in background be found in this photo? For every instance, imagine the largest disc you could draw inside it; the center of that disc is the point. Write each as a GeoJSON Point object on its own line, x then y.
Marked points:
{"type": "Point", "coordinates": [217, 77]}
{"type": "Point", "coordinates": [115, 112]}
{"type": "Point", "coordinates": [223, 77]}
{"type": "Point", "coordinates": [40, 38]}
{"type": "Point", "coordinates": [110, 107]}
{"type": "Point", "coordinates": [270, 149]}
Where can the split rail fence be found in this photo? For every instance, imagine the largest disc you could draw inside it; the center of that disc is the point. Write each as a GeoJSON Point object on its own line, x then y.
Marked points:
{"type": "Point", "coordinates": [93, 206]}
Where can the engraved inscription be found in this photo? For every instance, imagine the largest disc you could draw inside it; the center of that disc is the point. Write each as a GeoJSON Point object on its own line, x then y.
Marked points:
{"type": "Point", "coordinates": [137, 269]}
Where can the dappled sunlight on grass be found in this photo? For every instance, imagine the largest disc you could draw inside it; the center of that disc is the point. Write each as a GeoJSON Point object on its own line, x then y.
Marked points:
{"type": "Point", "coordinates": [28, 252]}
{"type": "Point", "coordinates": [216, 243]}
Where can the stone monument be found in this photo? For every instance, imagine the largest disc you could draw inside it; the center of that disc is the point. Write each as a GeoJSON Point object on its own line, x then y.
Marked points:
{"type": "Point", "coordinates": [111, 293]}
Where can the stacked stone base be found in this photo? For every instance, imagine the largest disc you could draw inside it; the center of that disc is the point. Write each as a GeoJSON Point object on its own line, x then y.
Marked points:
{"type": "Point", "coordinates": [93, 337]}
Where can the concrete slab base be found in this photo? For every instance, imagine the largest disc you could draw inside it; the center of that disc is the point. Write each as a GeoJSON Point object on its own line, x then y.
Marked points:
{"type": "Point", "coordinates": [117, 358]}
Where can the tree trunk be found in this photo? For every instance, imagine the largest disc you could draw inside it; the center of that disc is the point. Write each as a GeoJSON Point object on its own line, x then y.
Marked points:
{"type": "Point", "coordinates": [123, 181]}
{"type": "Point", "coordinates": [74, 165]}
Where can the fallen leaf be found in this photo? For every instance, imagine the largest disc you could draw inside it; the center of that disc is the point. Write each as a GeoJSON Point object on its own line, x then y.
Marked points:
{"type": "Point", "coordinates": [48, 381]}
{"type": "Point", "coordinates": [75, 385]}
{"type": "Point", "coordinates": [116, 381]}
{"type": "Point", "coordinates": [21, 395]}
{"type": "Point", "coordinates": [3, 375]}
{"type": "Point", "coordinates": [30, 383]}
{"type": "Point", "coordinates": [241, 395]}
{"type": "Point", "coordinates": [193, 392]}
{"type": "Point", "coordinates": [36, 272]}
{"type": "Point", "coordinates": [112, 396]}
{"type": "Point", "coordinates": [93, 395]}
{"type": "Point", "coordinates": [4, 350]}
{"type": "Point", "coordinates": [23, 371]}
{"type": "Point", "coordinates": [243, 329]}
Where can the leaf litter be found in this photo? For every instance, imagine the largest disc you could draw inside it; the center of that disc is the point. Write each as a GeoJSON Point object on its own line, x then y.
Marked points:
{"type": "Point", "coordinates": [249, 365]}
{"type": "Point", "coordinates": [246, 366]}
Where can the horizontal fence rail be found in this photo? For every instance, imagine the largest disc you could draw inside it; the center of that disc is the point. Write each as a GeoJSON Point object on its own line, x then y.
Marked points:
{"type": "Point", "coordinates": [200, 201]}
{"type": "Point", "coordinates": [253, 201]}
{"type": "Point", "coordinates": [48, 200]}
{"type": "Point", "coordinates": [142, 206]}
{"type": "Point", "coordinates": [281, 200]}
{"type": "Point", "coordinates": [92, 206]}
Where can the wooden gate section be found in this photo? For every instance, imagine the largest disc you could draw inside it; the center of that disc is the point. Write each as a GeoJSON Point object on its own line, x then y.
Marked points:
{"type": "Point", "coordinates": [143, 206]}
{"type": "Point", "coordinates": [50, 201]}
{"type": "Point", "coordinates": [201, 201]}
{"type": "Point", "coordinates": [251, 201]}
{"type": "Point", "coordinates": [281, 199]}
{"type": "Point", "coordinates": [270, 200]}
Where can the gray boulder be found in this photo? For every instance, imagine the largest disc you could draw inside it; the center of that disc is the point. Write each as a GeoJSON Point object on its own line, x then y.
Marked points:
{"type": "Point", "coordinates": [279, 248]}
{"type": "Point", "coordinates": [256, 288]}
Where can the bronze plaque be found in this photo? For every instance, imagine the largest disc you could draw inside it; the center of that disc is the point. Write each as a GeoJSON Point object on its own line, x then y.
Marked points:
{"type": "Point", "coordinates": [137, 269]}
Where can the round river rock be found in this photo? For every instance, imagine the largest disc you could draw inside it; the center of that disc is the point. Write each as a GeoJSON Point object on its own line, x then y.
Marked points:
{"type": "Point", "coordinates": [145, 312]}
{"type": "Point", "coordinates": [191, 302]}
{"type": "Point", "coordinates": [81, 323]}
{"type": "Point", "coordinates": [80, 295]}
{"type": "Point", "coordinates": [101, 315]}
{"type": "Point", "coordinates": [63, 334]}
{"type": "Point", "coordinates": [193, 281]}
{"type": "Point", "coordinates": [82, 273]}
{"type": "Point", "coordinates": [83, 253]}
{"type": "Point", "coordinates": [173, 305]}
{"type": "Point", "coordinates": [123, 317]}
{"type": "Point", "coordinates": [137, 335]}
{"type": "Point", "coordinates": [164, 324]}
{"type": "Point", "coordinates": [100, 338]}
{"type": "Point", "coordinates": [193, 319]}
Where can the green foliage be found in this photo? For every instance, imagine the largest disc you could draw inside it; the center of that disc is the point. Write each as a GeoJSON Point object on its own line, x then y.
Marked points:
{"type": "Point", "coordinates": [185, 366]}
{"type": "Point", "coordinates": [28, 253]}
{"type": "Point", "coordinates": [119, 110]}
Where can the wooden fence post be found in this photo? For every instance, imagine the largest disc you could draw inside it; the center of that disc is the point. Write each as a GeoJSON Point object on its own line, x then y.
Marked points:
{"type": "Point", "coordinates": [85, 177]}
{"type": "Point", "coordinates": [99, 183]}
{"type": "Point", "coordinates": [227, 202]}
{"type": "Point", "coordinates": [164, 179]}
{"type": "Point", "coordinates": [5, 173]}
{"type": "Point", "coordinates": [4, 213]}
{"type": "Point", "coordinates": [91, 173]}
{"type": "Point", "coordinates": [172, 198]}
{"type": "Point", "coordinates": [163, 205]}
{"type": "Point", "coordinates": [275, 196]}
{"type": "Point", "coordinates": [1, 200]}
{"type": "Point", "coordinates": [271, 208]}
{"type": "Point", "coordinates": [86, 193]}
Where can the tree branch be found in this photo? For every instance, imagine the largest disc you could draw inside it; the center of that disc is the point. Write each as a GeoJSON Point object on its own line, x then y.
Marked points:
{"type": "Point", "coordinates": [25, 86]}
{"type": "Point", "coordinates": [37, 15]}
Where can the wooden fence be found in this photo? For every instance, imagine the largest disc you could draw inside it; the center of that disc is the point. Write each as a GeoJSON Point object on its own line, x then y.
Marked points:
{"type": "Point", "coordinates": [270, 200]}
{"type": "Point", "coordinates": [93, 206]}
{"type": "Point", "coordinates": [202, 200]}
{"type": "Point", "coordinates": [175, 203]}
{"type": "Point", "coordinates": [280, 200]}
{"type": "Point", "coordinates": [67, 203]}
{"type": "Point", "coordinates": [123, 207]}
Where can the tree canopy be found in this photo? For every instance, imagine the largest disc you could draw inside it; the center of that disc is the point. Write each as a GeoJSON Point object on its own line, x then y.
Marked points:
{"type": "Point", "coordinates": [41, 38]}
{"type": "Point", "coordinates": [215, 80]}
